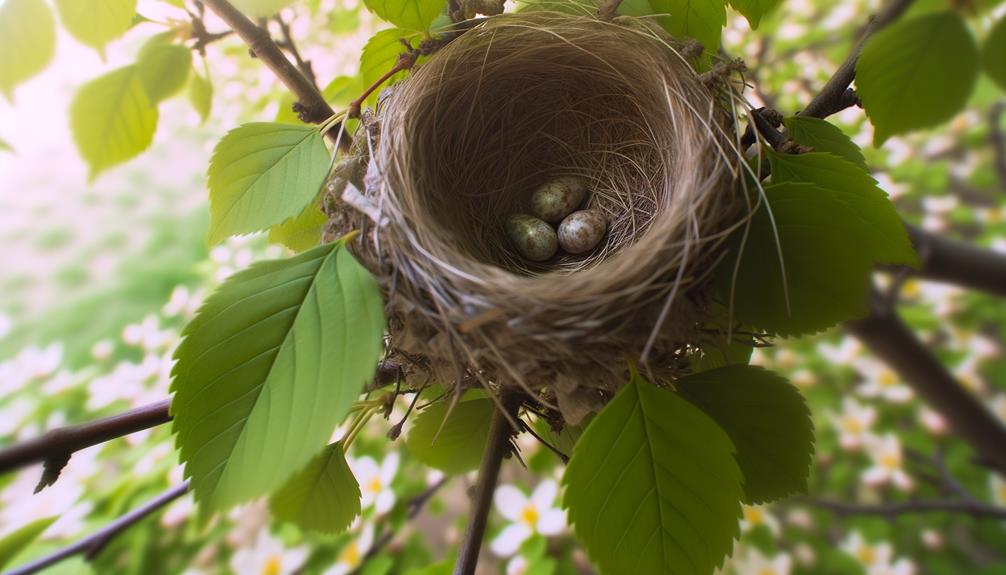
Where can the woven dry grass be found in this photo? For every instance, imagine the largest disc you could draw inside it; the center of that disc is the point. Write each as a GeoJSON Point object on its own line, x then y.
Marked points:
{"type": "Point", "coordinates": [460, 146]}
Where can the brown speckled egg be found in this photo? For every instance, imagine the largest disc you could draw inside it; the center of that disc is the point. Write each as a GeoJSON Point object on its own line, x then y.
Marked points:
{"type": "Point", "coordinates": [581, 231]}
{"type": "Point", "coordinates": [531, 237]}
{"type": "Point", "coordinates": [558, 198]}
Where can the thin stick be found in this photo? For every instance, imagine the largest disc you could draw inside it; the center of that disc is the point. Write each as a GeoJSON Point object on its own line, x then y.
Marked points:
{"type": "Point", "coordinates": [891, 511]}
{"type": "Point", "coordinates": [834, 90]}
{"type": "Point", "coordinates": [498, 446]}
{"type": "Point", "coordinates": [887, 336]}
{"type": "Point", "coordinates": [315, 108]}
{"type": "Point", "coordinates": [91, 545]}
{"type": "Point", "coordinates": [64, 441]}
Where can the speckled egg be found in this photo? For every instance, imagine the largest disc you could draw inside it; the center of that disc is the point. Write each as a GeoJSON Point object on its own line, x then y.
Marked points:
{"type": "Point", "coordinates": [558, 198]}
{"type": "Point", "coordinates": [581, 231]}
{"type": "Point", "coordinates": [532, 237]}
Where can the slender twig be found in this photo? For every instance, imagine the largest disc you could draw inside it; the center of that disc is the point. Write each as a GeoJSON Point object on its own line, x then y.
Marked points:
{"type": "Point", "coordinates": [887, 336]}
{"type": "Point", "coordinates": [891, 511]}
{"type": "Point", "coordinates": [527, 427]}
{"type": "Point", "coordinates": [830, 96]}
{"type": "Point", "coordinates": [91, 545]}
{"type": "Point", "coordinates": [406, 60]}
{"type": "Point", "coordinates": [497, 447]}
{"type": "Point", "coordinates": [313, 107]}
{"type": "Point", "coordinates": [303, 65]}
{"type": "Point", "coordinates": [61, 443]}
{"type": "Point", "coordinates": [998, 140]}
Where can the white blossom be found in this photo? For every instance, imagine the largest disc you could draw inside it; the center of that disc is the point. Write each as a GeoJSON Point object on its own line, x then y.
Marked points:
{"type": "Point", "coordinates": [528, 515]}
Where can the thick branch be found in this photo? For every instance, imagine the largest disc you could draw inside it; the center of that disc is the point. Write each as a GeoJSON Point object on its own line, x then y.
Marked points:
{"type": "Point", "coordinates": [91, 545]}
{"type": "Point", "coordinates": [64, 441]}
{"type": "Point", "coordinates": [895, 344]}
{"type": "Point", "coordinates": [959, 263]}
{"type": "Point", "coordinates": [314, 107]}
{"type": "Point", "coordinates": [891, 511]}
{"type": "Point", "coordinates": [830, 97]}
{"type": "Point", "coordinates": [498, 447]}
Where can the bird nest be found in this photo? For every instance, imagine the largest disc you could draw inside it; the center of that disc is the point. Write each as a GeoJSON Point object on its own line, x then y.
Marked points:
{"type": "Point", "coordinates": [460, 145]}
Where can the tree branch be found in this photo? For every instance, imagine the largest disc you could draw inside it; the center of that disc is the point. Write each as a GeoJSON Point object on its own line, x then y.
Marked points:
{"type": "Point", "coordinates": [57, 445]}
{"type": "Point", "coordinates": [303, 65]}
{"type": "Point", "coordinates": [956, 262]}
{"type": "Point", "coordinates": [895, 344]}
{"type": "Point", "coordinates": [891, 511]}
{"type": "Point", "coordinates": [498, 447]}
{"type": "Point", "coordinates": [830, 97]}
{"type": "Point", "coordinates": [314, 108]}
{"type": "Point", "coordinates": [91, 545]}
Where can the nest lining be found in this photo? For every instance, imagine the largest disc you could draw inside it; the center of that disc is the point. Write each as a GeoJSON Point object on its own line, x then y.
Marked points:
{"type": "Point", "coordinates": [463, 142]}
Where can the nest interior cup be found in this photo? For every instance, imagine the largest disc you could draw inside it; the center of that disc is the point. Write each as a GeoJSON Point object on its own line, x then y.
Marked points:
{"type": "Point", "coordinates": [511, 104]}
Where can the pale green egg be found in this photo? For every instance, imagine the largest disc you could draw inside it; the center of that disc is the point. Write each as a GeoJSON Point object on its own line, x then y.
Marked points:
{"type": "Point", "coordinates": [532, 237]}
{"type": "Point", "coordinates": [558, 198]}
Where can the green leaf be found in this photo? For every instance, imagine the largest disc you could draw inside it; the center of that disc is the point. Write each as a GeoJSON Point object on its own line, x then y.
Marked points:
{"type": "Point", "coordinates": [95, 23]}
{"type": "Point", "coordinates": [824, 136]}
{"type": "Point", "coordinates": [19, 539]}
{"type": "Point", "coordinates": [201, 95]}
{"type": "Point", "coordinates": [876, 219]}
{"type": "Point", "coordinates": [702, 20]}
{"type": "Point", "coordinates": [27, 41]}
{"type": "Point", "coordinates": [261, 8]}
{"type": "Point", "coordinates": [379, 56]}
{"type": "Point", "coordinates": [323, 496]}
{"type": "Point", "coordinates": [261, 174]}
{"type": "Point", "coordinates": [339, 93]}
{"type": "Point", "coordinates": [302, 232]}
{"type": "Point", "coordinates": [112, 119]}
{"type": "Point", "coordinates": [462, 438]}
{"type": "Point", "coordinates": [5, 147]}
{"type": "Point", "coordinates": [164, 69]}
{"type": "Point", "coordinates": [653, 487]}
{"type": "Point", "coordinates": [827, 263]}
{"type": "Point", "coordinates": [768, 421]}
{"type": "Point", "coordinates": [994, 53]}
{"type": "Point", "coordinates": [270, 365]}
{"type": "Point", "coordinates": [736, 352]}
{"type": "Point", "coordinates": [407, 14]}
{"type": "Point", "coordinates": [755, 10]}
{"type": "Point", "coordinates": [899, 67]}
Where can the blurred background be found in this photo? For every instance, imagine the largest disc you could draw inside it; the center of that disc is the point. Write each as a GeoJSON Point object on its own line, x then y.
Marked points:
{"type": "Point", "coordinates": [98, 277]}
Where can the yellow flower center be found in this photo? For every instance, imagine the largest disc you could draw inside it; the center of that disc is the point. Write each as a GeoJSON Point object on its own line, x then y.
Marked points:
{"type": "Point", "coordinates": [375, 485]}
{"type": "Point", "coordinates": [767, 571]}
{"type": "Point", "coordinates": [272, 566]}
{"type": "Point", "coordinates": [754, 516]}
{"type": "Point", "coordinates": [865, 555]}
{"type": "Point", "coordinates": [1001, 491]}
{"type": "Point", "coordinates": [529, 515]}
{"type": "Point", "coordinates": [910, 289]}
{"type": "Point", "coordinates": [852, 425]}
{"type": "Point", "coordinates": [890, 461]}
{"type": "Point", "coordinates": [350, 555]}
{"type": "Point", "coordinates": [887, 379]}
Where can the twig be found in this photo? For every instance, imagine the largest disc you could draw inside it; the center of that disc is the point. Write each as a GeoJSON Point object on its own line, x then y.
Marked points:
{"type": "Point", "coordinates": [497, 447]}
{"type": "Point", "coordinates": [303, 65]}
{"type": "Point", "coordinates": [608, 9]}
{"type": "Point", "coordinates": [951, 261]}
{"type": "Point", "coordinates": [57, 445]}
{"type": "Point", "coordinates": [891, 511]}
{"type": "Point", "coordinates": [527, 427]}
{"type": "Point", "coordinates": [313, 107]}
{"type": "Point", "coordinates": [887, 336]}
{"type": "Point", "coordinates": [998, 140]}
{"type": "Point", "coordinates": [405, 61]}
{"type": "Point", "coordinates": [829, 98]}
{"type": "Point", "coordinates": [91, 545]}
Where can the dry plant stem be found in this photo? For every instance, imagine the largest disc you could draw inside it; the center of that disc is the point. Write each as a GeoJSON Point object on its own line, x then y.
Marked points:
{"type": "Point", "coordinates": [887, 336]}
{"type": "Point", "coordinates": [91, 545]}
{"type": "Point", "coordinates": [497, 447]}
{"type": "Point", "coordinates": [316, 109]}
{"type": "Point", "coordinates": [834, 90]}
{"type": "Point", "coordinates": [891, 511]}
{"type": "Point", "coordinates": [64, 441]}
